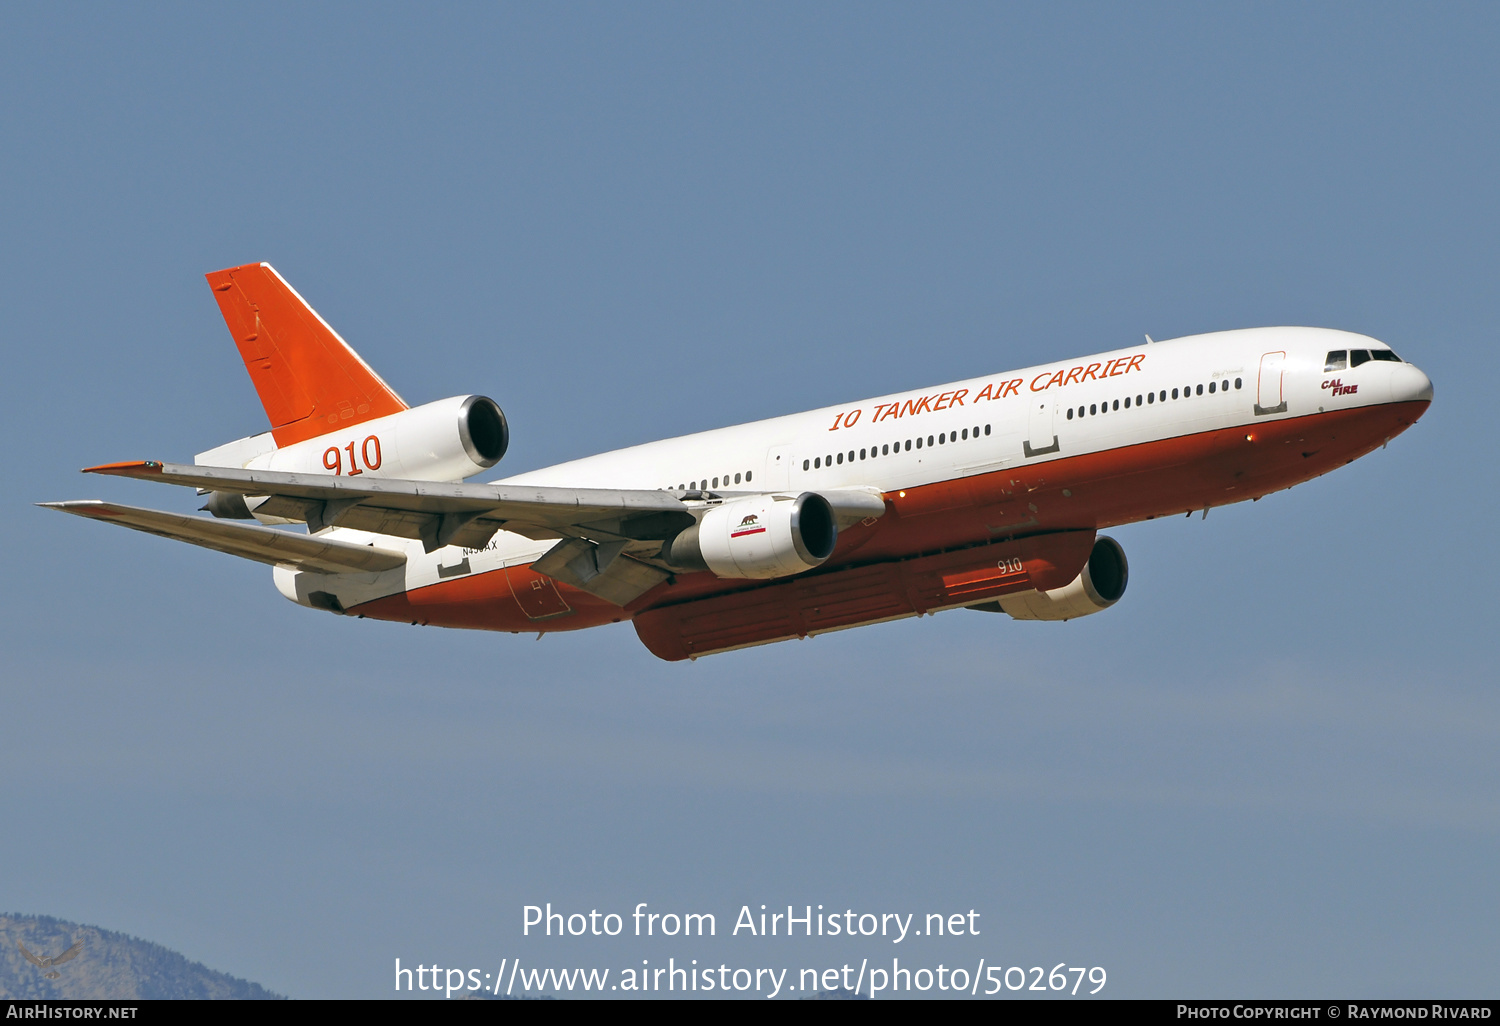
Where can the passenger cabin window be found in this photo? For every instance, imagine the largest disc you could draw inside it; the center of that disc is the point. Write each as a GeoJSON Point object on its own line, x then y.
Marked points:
{"type": "Point", "coordinates": [1358, 356]}
{"type": "Point", "coordinates": [1337, 360]}
{"type": "Point", "coordinates": [1385, 355]}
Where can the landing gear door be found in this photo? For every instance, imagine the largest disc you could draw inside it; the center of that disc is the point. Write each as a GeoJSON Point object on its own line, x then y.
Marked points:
{"type": "Point", "coordinates": [1041, 438]}
{"type": "Point", "coordinates": [1268, 388]}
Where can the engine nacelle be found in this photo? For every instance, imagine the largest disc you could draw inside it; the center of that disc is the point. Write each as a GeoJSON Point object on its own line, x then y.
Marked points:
{"type": "Point", "coordinates": [758, 537]}
{"type": "Point", "coordinates": [1099, 586]}
{"type": "Point", "coordinates": [448, 440]}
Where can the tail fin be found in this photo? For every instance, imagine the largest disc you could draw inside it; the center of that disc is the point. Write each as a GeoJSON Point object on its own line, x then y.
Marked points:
{"type": "Point", "coordinates": [307, 377]}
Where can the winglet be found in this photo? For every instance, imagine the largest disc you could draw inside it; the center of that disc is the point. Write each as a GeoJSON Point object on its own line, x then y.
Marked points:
{"type": "Point", "coordinates": [308, 378]}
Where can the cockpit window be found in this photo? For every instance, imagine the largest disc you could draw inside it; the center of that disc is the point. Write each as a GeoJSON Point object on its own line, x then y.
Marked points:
{"type": "Point", "coordinates": [1358, 356]}
{"type": "Point", "coordinates": [1384, 354]}
{"type": "Point", "coordinates": [1337, 360]}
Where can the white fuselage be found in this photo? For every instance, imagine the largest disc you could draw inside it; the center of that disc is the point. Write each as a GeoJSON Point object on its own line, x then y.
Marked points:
{"type": "Point", "coordinates": [1141, 394]}
{"type": "Point", "coordinates": [1033, 411]}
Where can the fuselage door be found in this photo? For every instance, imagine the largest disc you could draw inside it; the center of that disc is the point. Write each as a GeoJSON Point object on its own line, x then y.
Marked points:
{"type": "Point", "coordinates": [1268, 390]}
{"type": "Point", "coordinates": [1041, 439]}
{"type": "Point", "coordinates": [778, 468]}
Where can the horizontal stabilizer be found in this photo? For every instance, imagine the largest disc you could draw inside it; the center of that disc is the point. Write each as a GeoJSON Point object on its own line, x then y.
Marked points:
{"type": "Point", "coordinates": [262, 544]}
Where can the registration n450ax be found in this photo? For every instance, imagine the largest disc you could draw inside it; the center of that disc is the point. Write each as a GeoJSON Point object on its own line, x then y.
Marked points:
{"type": "Point", "coordinates": [983, 494]}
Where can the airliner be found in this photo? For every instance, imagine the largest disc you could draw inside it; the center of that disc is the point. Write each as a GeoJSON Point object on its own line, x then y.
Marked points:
{"type": "Point", "coordinates": [986, 494]}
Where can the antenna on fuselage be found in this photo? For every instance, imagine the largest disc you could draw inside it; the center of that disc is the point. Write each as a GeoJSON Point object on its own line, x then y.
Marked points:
{"type": "Point", "coordinates": [1150, 340]}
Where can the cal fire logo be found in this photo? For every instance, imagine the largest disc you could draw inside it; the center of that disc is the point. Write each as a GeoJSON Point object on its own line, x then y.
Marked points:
{"type": "Point", "coordinates": [750, 525]}
{"type": "Point", "coordinates": [1339, 388]}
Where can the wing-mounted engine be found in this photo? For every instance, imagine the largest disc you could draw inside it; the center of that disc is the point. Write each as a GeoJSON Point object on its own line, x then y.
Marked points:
{"type": "Point", "coordinates": [1098, 586]}
{"type": "Point", "coordinates": [758, 537]}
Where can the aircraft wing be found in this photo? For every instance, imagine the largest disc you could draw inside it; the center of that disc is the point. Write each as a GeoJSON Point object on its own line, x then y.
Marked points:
{"type": "Point", "coordinates": [262, 544]}
{"type": "Point", "coordinates": [438, 513]}
{"type": "Point", "coordinates": [607, 539]}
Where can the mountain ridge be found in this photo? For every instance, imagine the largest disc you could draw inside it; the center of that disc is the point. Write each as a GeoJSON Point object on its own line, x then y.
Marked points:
{"type": "Point", "coordinates": [110, 965]}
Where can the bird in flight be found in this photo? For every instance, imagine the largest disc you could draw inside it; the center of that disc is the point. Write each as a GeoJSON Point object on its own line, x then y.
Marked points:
{"type": "Point", "coordinates": [48, 961]}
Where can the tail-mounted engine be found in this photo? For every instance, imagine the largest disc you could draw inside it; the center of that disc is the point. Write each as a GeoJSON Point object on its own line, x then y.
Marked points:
{"type": "Point", "coordinates": [448, 440]}
{"type": "Point", "coordinates": [758, 537]}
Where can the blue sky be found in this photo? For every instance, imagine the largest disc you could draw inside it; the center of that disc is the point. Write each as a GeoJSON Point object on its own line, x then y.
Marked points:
{"type": "Point", "coordinates": [1270, 771]}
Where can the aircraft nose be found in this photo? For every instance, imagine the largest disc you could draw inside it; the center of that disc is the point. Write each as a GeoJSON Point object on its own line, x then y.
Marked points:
{"type": "Point", "coordinates": [1409, 384]}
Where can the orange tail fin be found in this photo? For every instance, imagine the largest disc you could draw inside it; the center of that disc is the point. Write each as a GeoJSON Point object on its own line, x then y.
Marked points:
{"type": "Point", "coordinates": [308, 378]}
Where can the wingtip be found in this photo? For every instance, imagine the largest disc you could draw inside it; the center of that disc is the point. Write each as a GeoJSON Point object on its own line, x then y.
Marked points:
{"type": "Point", "coordinates": [82, 507]}
{"type": "Point", "coordinates": [129, 468]}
